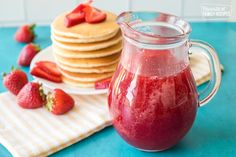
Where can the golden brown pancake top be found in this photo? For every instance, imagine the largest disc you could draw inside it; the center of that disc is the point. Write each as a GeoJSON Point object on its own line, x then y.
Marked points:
{"type": "Point", "coordinates": [85, 30]}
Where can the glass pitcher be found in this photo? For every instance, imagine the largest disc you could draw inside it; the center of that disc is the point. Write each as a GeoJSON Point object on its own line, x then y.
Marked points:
{"type": "Point", "coordinates": [153, 97]}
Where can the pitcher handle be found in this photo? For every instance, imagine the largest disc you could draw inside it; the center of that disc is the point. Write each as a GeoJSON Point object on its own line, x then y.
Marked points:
{"type": "Point", "coordinates": [213, 85]}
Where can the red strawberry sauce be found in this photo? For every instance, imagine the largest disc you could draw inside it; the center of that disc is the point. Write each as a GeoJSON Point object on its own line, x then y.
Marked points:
{"type": "Point", "coordinates": [150, 112]}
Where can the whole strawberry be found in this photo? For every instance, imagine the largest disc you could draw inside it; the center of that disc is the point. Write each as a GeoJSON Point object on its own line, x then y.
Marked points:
{"type": "Point", "coordinates": [31, 96]}
{"type": "Point", "coordinates": [59, 102]}
{"type": "Point", "coordinates": [25, 34]}
{"type": "Point", "coordinates": [27, 54]}
{"type": "Point", "coordinates": [15, 80]}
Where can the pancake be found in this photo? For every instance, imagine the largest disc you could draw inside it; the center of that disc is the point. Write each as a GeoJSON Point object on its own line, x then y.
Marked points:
{"type": "Point", "coordinates": [102, 69]}
{"type": "Point", "coordinates": [78, 83]}
{"type": "Point", "coordinates": [85, 30]}
{"type": "Point", "coordinates": [85, 77]}
{"type": "Point", "coordinates": [88, 46]}
{"type": "Point", "coordinates": [88, 62]}
{"type": "Point", "coordinates": [78, 40]}
{"type": "Point", "coordinates": [88, 54]}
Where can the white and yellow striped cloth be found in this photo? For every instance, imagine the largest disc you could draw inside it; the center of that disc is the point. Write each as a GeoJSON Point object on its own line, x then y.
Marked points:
{"type": "Point", "coordinates": [39, 133]}
{"type": "Point", "coordinates": [200, 68]}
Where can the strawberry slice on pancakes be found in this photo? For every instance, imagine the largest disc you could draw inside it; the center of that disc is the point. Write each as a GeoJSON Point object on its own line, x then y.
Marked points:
{"type": "Point", "coordinates": [93, 15]}
{"type": "Point", "coordinates": [84, 13]}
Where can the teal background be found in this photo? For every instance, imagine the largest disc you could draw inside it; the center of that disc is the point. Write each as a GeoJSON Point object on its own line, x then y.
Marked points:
{"type": "Point", "coordinates": [214, 130]}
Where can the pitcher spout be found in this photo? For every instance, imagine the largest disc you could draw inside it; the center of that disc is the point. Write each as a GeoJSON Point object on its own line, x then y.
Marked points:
{"type": "Point", "coordinates": [153, 27]}
{"type": "Point", "coordinates": [124, 20]}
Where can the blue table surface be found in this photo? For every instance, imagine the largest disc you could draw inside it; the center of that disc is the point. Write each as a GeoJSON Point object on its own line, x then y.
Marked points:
{"type": "Point", "coordinates": [214, 130]}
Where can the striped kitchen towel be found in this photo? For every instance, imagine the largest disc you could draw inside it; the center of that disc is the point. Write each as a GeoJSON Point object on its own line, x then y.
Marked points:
{"type": "Point", "coordinates": [39, 133]}
{"type": "Point", "coordinates": [200, 68]}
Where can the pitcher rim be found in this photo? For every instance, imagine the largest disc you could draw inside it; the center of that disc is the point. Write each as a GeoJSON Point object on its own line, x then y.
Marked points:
{"type": "Point", "coordinates": [183, 33]}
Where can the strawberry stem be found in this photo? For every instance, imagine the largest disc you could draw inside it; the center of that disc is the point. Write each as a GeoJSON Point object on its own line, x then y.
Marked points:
{"type": "Point", "coordinates": [37, 47]}
{"type": "Point", "coordinates": [41, 92]}
{"type": "Point", "coordinates": [32, 26]}
{"type": "Point", "coordinates": [4, 74]}
{"type": "Point", "coordinates": [12, 68]}
{"type": "Point", "coordinates": [49, 104]}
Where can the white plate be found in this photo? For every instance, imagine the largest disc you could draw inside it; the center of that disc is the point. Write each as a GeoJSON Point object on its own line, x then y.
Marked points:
{"type": "Point", "coordinates": [46, 55]}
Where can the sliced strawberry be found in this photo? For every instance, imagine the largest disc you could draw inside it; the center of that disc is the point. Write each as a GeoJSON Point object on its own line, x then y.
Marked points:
{"type": "Point", "coordinates": [59, 102]}
{"type": "Point", "coordinates": [48, 67]}
{"type": "Point", "coordinates": [80, 8]}
{"type": "Point", "coordinates": [103, 84]}
{"type": "Point", "coordinates": [36, 71]}
{"type": "Point", "coordinates": [77, 15]}
{"type": "Point", "coordinates": [94, 15]}
{"type": "Point", "coordinates": [84, 12]}
{"type": "Point", "coordinates": [73, 19]}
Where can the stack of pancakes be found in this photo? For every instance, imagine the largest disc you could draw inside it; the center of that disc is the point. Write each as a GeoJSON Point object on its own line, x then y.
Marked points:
{"type": "Point", "coordinates": [86, 53]}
